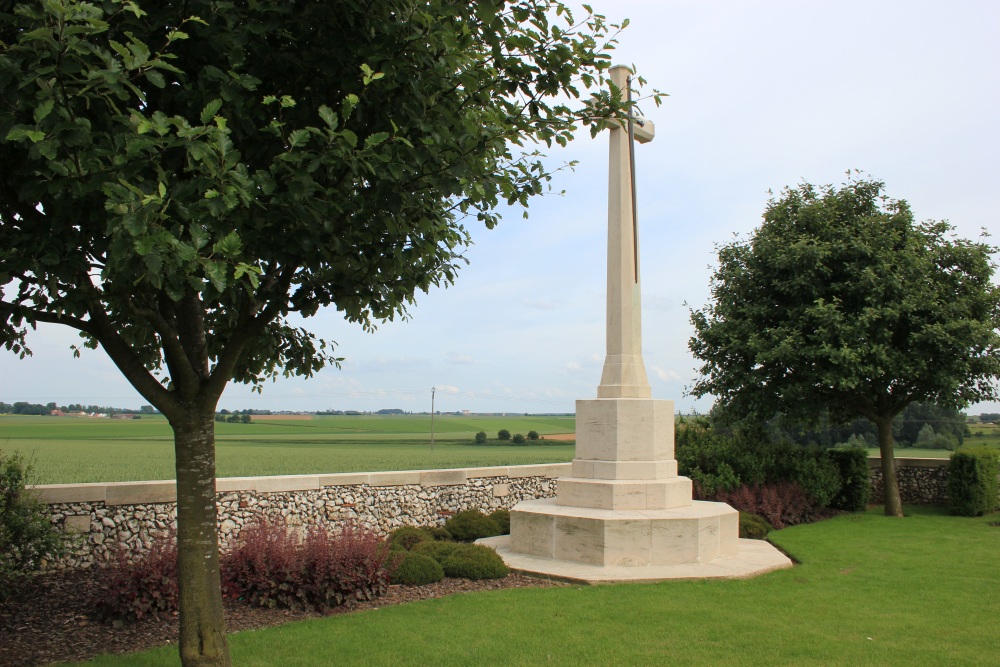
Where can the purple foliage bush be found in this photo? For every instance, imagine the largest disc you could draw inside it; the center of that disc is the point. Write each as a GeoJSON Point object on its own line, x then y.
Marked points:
{"type": "Point", "coordinates": [140, 586]}
{"type": "Point", "coordinates": [270, 567]}
{"type": "Point", "coordinates": [782, 504]}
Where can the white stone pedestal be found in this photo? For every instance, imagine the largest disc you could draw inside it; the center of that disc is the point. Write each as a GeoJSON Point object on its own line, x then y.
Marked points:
{"type": "Point", "coordinates": [624, 505]}
{"type": "Point", "coordinates": [624, 513]}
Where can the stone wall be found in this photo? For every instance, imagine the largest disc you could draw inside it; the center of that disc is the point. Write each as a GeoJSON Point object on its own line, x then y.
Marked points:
{"type": "Point", "coordinates": [921, 481]}
{"type": "Point", "coordinates": [133, 513]}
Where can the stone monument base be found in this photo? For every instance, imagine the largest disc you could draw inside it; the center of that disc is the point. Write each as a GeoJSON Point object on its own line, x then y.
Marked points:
{"type": "Point", "coordinates": [752, 558]}
{"type": "Point", "coordinates": [693, 533]}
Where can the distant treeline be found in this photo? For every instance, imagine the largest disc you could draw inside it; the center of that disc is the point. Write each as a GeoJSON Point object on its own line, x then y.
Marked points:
{"type": "Point", "coordinates": [922, 425]}
{"type": "Point", "coordinates": [24, 408]}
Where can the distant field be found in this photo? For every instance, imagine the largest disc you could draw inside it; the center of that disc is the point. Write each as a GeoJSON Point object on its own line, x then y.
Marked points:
{"type": "Point", "coordinates": [983, 435]}
{"type": "Point", "coordinates": [74, 449]}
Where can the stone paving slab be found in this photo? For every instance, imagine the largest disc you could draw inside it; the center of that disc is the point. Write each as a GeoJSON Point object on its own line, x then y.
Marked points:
{"type": "Point", "coordinates": [755, 557]}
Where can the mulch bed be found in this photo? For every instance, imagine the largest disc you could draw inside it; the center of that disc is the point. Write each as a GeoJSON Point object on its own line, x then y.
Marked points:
{"type": "Point", "coordinates": [52, 618]}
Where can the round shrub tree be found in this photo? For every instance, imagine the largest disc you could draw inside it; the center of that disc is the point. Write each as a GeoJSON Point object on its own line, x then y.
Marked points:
{"type": "Point", "coordinates": [437, 550]}
{"type": "Point", "coordinates": [474, 561]}
{"type": "Point", "coordinates": [754, 526]}
{"type": "Point", "coordinates": [407, 537]}
{"type": "Point", "coordinates": [416, 569]}
{"type": "Point", "coordinates": [518, 439]}
{"type": "Point", "coordinates": [503, 434]}
{"type": "Point", "coordinates": [470, 525]}
{"type": "Point", "coordinates": [532, 435]}
{"type": "Point", "coordinates": [502, 517]}
{"type": "Point", "coordinates": [481, 438]}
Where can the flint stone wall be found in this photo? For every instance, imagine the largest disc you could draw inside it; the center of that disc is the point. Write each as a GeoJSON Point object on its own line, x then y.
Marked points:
{"type": "Point", "coordinates": [921, 481]}
{"type": "Point", "coordinates": [97, 516]}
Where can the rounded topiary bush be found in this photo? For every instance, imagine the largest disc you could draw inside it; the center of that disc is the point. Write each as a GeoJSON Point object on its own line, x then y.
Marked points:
{"type": "Point", "coordinates": [470, 525]}
{"type": "Point", "coordinates": [437, 550]}
{"type": "Point", "coordinates": [440, 534]}
{"type": "Point", "coordinates": [474, 561]}
{"type": "Point", "coordinates": [416, 569]}
{"type": "Point", "coordinates": [502, 518]}
{"type": "Point", "coordinates": [407, 537]}
{"type": "Point", "coordinates": [754, 526]}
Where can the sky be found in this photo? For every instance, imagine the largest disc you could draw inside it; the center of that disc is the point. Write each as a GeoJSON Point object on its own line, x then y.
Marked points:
{"type": "Point", "coordinates": [763, 94]}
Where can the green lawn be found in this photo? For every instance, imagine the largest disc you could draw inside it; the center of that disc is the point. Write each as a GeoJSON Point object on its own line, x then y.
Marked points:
{"type": "Point", "coordinates": [71, 449]}
{"type": "Point", "coordinates": [869, 591]}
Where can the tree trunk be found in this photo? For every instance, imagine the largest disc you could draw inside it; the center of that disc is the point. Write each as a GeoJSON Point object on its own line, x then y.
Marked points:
{"type": "Point", "coordinates": [202, 625]}
{"type": "Point", "coordinates": [890, 485]}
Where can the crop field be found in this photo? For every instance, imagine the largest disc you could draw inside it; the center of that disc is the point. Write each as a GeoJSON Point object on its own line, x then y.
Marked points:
{"type": "Point", "coordinates": [67, 450]}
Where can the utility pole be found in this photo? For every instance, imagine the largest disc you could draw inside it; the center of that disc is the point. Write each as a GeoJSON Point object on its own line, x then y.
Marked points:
{"type": "Point", "coordinates": [433, 389]}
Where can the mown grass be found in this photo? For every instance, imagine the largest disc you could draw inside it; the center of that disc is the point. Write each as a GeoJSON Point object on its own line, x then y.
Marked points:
{"type": "Point", "coordinates": [73, 450]}
{"type": "Point", "coordinates": [870, 590]}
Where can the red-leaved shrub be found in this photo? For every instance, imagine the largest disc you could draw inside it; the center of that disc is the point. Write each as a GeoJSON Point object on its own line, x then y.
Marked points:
{"type": "Point", "coordinates": [269, 567]}
{"type": "Point", "coordinates": [143, 585]}
{"type": "Point", "coordinates": [782, 504]}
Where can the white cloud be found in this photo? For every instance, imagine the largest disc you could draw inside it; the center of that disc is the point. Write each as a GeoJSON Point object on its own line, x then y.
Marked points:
{"type": "Point", "coordinates": [666, 376]}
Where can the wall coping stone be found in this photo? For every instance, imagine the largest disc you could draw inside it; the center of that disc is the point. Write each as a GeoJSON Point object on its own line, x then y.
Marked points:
{"type": "Point", "coordinates": [876, 462]}
{"type": "Point", "coordinates": [164, 490]}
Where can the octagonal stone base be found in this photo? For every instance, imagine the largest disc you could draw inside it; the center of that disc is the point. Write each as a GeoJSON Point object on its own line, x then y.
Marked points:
{"type": "Point", "coordinates": [752, 558]}
{"type": "Point", "coordinates": [695, 533]}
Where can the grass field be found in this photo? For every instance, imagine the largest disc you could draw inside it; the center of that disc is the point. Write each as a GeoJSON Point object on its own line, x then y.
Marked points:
{"type": "Point", "coordinates": [870, 590]}
{"type": "Point", "coordinates": [982, 435]}
{"type": "Point", "coordinates": [74, 449]}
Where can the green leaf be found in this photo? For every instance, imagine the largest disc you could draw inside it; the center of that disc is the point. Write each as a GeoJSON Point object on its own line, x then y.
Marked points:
{"type": "Point", "coordinates": [209, 111]}
{"type": "Point", "coordinates": [376, 139]}
{"type": "Point", "coordinates": [155, 78]}
{"type": "Point", "coordinates": [216, 274]}
{"type": "Point", "coordinates": [330, 118]}
{"type": "Point", "coordinates": [298, 138]}
{"type": "Point", "coordinates": [43, 110]}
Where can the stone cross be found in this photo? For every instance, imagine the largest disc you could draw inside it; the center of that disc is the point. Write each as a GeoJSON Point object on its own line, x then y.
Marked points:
{"type": "Point", "coordinates": [624, 374]}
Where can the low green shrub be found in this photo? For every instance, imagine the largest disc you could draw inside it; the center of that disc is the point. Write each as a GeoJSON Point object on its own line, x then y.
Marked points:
{"type": "Point", "coordinates": [502, 518]}
{"type": "Point", "coordinates": [406, 537]}
{"type": "Point", "coordinates": [753, 526]}
{"type": "Point", "coordinates": [972, 481]}
{"type": "Point", "coordinates": [518, 439]}
{"type": "Point", "coordinates": [855, 485]}
{"type": "Point", "coordinates": [470, 525]}
{"type": "Point", "coordinates": [503, 434]}
{"type": "Point", "coordinates": [533, 435]}
{"type": "Point", "coordinates": [27, 536]}
{"type": "Point", "coordinates": [437, 550]}
{"type": "Point", "coordinates": [474, 561]}
{"type": "Point", "coordinates": [481, 438]}
{"type": "Point", "coordinates": [439, 534]}
{"type": "Point", "coordinates": [139, 586]}
{"type": "Point", "coordinates": [416, 569]}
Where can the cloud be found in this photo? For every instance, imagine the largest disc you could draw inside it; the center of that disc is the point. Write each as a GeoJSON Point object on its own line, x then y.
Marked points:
{"type": "Point", "coordinates": [542, 304]}
{"type": "Point", "coordinates": [461, 359]}
{"type": "Point", "coordinates": [574, 366]}
{"type": "Point", "coordinates": [666, 376]}
{"type": "Point", "coordinates": [447, 389]}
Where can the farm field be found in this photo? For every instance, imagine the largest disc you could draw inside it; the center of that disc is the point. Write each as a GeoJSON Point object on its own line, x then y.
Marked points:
{"type": "Point", "coordinates": [982, 435]}
{"type": "Point", "coordinates": [67, 450]}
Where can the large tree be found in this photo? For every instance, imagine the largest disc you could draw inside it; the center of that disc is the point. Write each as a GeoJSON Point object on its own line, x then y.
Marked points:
{"type": "Point", "coordinates": [182, 182]}
{"type": "Point", "coordinates": [840, 302]}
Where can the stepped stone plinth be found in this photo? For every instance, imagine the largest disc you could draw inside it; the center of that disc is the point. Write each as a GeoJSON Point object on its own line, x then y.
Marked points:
{"type": "Point", "coordinates": [625, 514]}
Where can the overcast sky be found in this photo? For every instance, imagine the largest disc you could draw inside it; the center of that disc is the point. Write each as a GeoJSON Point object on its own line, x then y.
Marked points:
{"type": "Point", "coordinates": [762, 95]}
